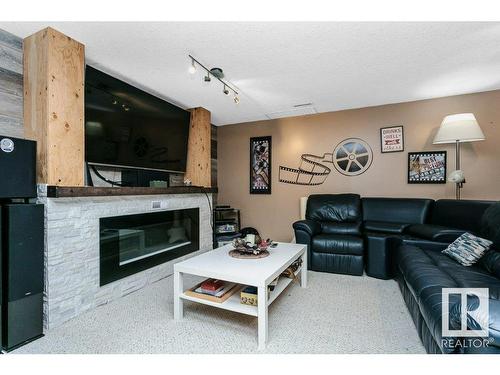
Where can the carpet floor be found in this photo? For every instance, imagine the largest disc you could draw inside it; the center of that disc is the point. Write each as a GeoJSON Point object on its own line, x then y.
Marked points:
{"type": "Point", "coordinates": [335, 314]}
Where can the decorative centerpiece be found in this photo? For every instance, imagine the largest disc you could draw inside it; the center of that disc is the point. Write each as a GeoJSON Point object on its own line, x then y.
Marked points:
{"type": "Point", "coordinates": [244, 249]}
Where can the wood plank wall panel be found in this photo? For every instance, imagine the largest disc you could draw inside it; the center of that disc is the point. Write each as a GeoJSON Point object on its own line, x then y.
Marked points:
{"type": "Point", "coordinates": [11, 85]}
{"type": "Point", "coordinates": [54, 66]}
{"type": "Point", "coordinates": [199, 166]}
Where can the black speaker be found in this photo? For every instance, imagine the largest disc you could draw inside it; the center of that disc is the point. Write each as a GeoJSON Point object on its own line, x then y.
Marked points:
{"type": "Point", "coordinates": [18, 168]}
{"type": "Point", "coordinates": [22, 253]}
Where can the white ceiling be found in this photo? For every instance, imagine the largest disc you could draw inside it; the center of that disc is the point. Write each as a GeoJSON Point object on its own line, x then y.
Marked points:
{"type": "Point", "coordinates": [275, 66]}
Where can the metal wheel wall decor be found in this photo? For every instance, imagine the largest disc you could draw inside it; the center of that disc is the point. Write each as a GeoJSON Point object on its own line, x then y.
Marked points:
{"type": "Point", "coordinates": [352, 157]}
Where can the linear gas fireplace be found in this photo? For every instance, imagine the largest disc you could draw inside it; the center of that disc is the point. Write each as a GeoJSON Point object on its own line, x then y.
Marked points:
{"type": "Point", "coordinates": [133, 243]}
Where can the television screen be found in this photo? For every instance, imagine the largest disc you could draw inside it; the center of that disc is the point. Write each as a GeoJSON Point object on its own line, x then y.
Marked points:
{"type": "Point", "coordinates": [127, 127]}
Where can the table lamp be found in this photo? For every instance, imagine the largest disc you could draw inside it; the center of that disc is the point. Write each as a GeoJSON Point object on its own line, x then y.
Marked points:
{"type": "Point", "coordinates": [457, 129]}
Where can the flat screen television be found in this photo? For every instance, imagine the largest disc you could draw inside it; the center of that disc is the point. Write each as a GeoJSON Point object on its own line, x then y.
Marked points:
{"type": "Point", "coordinates": [127, 127]}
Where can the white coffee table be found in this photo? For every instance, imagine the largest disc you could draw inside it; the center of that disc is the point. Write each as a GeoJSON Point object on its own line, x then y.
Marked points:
{"type": "Point", "coordinates": [218, 264]}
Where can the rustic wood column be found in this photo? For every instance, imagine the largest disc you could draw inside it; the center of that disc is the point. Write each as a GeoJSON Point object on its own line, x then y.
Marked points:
{"type": "Point", "coordinates": [54, 66]}
{"type": "Point", "coordinates": [198, 168]}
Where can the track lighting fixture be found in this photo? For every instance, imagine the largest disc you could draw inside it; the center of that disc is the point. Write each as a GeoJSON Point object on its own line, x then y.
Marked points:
{"type": "Point", "coordinates": [216, 73]}
{"type": "Point", "coordinates": [192, 67]}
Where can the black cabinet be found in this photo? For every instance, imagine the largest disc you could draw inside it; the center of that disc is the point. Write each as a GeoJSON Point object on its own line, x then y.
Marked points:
{"type": "Point", "coordinates": [226, 225]}
{"type": "Point", "coordinates": [22, 278]}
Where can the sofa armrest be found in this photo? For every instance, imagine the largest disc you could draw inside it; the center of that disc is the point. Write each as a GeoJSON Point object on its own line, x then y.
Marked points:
{"type": "Point", "coordinates": [423, 244]}
{"type": "Point", "coordinates": [305, 230]}
{"type": "Point", "coordinates": [309, 226]}
{"type": "Point", "coordinates": [436, 233]}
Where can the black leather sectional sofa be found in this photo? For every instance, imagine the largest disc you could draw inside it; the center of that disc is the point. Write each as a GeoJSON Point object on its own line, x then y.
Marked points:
{"type": "Point", "coordinates": [403, 238]}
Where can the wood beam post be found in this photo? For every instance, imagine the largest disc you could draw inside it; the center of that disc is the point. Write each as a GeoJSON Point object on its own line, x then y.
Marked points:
{"type": "Point", "coordinates": [54, 66]}
{"type": "Point", "coordinates": [198, 168]}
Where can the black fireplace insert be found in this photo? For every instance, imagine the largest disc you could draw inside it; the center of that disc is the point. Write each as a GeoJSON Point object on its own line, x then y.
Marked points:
{"type": "Point", "coordinates": [133, 243]}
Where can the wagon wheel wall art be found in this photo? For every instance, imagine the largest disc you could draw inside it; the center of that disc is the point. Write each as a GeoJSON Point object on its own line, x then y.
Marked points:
{"type": "Point", "coordinates": [351, 157]}
{"type": "Point", "coordinates": [260, 165]}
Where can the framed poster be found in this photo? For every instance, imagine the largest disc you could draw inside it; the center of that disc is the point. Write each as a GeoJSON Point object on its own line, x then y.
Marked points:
{"type": "Point", "coordinates": [427, 167]}
{"type": "Point", "coordinates": [392, 139]}
{"type": "Point", "coordinates": [260, 165]}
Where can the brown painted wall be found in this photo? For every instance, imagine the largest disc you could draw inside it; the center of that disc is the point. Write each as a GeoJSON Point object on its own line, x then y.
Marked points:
{"type": "Point", "coordinates": [273, 214]}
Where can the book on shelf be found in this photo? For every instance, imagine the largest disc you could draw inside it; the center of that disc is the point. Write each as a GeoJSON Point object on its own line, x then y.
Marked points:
{"type": "Point", "coordinates": [248, 296]}
{"type": "Point", "coordinates": [212, 284]}
{"type": "Point", "coordinates": [216, 293]}
{"type": "Point", "coordinates": [219, 297]}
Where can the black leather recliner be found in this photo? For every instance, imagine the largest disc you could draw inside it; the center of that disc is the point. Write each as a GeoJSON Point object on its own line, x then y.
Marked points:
{"type": "Point", "coordinates": [332, 231]}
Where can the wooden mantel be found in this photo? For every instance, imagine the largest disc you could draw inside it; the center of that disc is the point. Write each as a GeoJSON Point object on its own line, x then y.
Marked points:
{"type": "Point", "coordinates": [54, 67]}
{"type": "Point", "coordinates": [90, 191]}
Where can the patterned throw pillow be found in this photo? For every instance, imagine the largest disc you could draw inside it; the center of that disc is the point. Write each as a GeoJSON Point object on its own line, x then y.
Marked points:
{"type": "Point", "coordinates": [467, 249]}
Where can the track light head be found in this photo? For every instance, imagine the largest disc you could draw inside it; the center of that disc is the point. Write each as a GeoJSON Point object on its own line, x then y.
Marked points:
{"type": "Point", "coordinates": [225, 91]}
{"type": "Point", "coordinates": [192, 67]}
{"type": "Point", "coordinates": [236, 99]}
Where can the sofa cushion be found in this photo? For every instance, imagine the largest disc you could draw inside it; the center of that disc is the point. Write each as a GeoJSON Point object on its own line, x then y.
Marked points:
{"type": "Point", "coordinates": [459, 214]}
{"type": "Point", "coordinates": [384, 227]}
{"type": "Point", "coordinates": [467, 249]}
{"type": "Point", "coordinates": [337, 244]}
{"type": "Point", "coordinates": [436, 233]}
{"type": "Point", "coordinates": [474, 276]}
{"type": "Point", "coordinates": [421, 271]}
{"type": "Point", "coordinates": [491, 262]}
{"type": "Point", "coordinates": [425, 273]}
{"type": "Point", "coordinates": [329, 227]}
{"type": "Point", "coordinates": [396, 210]}
{"type": "Point", "coordinates": [490, 225]}
{"type": "Point", "coordinates": [334, 207]}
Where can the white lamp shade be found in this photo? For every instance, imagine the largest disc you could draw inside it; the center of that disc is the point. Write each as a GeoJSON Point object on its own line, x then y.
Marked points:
{"type": "Point", "coordinates": [461, 127]}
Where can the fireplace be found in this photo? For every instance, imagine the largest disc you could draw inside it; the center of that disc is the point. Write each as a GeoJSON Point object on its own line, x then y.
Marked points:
{"type": "Point", "coordinates": [133, 243]}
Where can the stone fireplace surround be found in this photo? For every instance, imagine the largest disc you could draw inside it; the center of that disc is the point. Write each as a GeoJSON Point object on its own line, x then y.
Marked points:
{"type": "Point", "coordinates": [72, 247]}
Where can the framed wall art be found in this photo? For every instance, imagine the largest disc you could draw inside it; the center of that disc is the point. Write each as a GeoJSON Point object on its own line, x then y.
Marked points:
{"type": "Point", "coordinates": [392, 139]}
{"type": "Point", "coordinates": [260, 165]}
{"type": "Point", "coordinates": [427, 167]}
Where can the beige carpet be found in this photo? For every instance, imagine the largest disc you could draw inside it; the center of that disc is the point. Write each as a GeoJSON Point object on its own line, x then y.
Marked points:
{"type": "Point", "coordinates": [335, 314]}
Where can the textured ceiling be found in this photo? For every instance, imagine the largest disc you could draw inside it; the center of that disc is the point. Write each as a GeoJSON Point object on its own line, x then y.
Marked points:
{"type": "Point", "coordinates": [276, 66]}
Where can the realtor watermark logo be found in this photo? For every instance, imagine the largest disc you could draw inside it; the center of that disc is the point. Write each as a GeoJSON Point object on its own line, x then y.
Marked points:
{"type": "Point", "coordinates": [465, 315]}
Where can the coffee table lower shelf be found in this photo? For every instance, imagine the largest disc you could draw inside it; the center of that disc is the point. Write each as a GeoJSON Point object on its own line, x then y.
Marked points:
{"type": "Point", "coordinates": [218, 265]}
{"type": "Point", "coordinates": [233, 303]}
